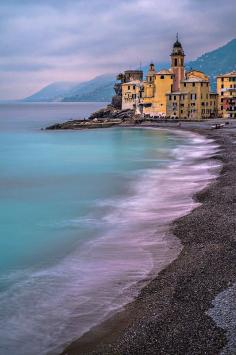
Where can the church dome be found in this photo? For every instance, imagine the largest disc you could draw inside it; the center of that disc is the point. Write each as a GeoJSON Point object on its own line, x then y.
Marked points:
{"type": "Point", "coordinates": [151, 69]}
{"type": "Point", "coordinates": [177, 47]}
{"type": "Point", "coordinates": [177, 44]}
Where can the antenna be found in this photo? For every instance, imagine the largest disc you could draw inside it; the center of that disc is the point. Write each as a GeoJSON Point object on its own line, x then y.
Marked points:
{"type": "Point", "coordinates": [177, 36]}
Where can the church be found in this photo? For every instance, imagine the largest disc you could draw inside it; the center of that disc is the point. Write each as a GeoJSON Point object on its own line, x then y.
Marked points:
{"type": "Point", "coordinates": [173, 92]}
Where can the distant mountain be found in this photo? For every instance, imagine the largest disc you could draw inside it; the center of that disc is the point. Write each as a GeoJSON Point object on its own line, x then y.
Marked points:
{"type": "Point", "coordinates": [100, 88]}
{"type": "Point", "coordinates": [219, 61]}
{"type": "Point", "coordinates": [53, 92]}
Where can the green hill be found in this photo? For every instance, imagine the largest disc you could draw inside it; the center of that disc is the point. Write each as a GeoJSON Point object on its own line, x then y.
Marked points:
{"type": "Point", "coordinates": [98, 89]}
{"type": "Point", "coordinates": [219, 61]}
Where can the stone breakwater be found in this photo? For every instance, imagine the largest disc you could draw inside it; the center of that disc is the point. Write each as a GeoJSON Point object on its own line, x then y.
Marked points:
{"type": "Point", "coordinates": [104, 118]}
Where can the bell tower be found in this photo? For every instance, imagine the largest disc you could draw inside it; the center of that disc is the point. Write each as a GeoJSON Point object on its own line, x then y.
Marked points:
{"type": "Point", "coordinates": [177, 63]}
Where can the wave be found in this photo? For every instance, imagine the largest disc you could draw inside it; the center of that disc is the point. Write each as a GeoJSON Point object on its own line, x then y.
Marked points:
{"type": "Point", "coordinates": [50, 307]}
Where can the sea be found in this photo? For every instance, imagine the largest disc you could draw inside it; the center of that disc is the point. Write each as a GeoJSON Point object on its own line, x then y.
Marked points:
{"type": "Point", "coordinates": [85, 218]}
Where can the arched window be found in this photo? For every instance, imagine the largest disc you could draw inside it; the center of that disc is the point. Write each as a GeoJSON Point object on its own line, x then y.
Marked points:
{"type": "Point", "coordinates": [176, 62]}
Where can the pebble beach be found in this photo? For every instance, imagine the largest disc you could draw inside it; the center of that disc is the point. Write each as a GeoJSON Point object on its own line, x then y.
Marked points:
{"type": "Point", "coordinates": [188, 307]}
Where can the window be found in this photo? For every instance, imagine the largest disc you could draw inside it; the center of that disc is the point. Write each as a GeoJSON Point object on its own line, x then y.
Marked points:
{"type": "Point", "coordinates": [174, 97]}
{"type": "Point", "coordinates": [133, 87]}
{"type": "Point", "coordinates": [176, 62]}
{"type": "Point", "coordinates": [162, 76]}
{"type": "Point", "coordinates": [222, 86]}
{"type": "Point", "coordinates": [222, 108]}
{"type": "Point", "coordinates": [170, 97]}
{"type": "Point", "coordinates": [193, 84]}
{"type": "Point", "coordinates": [128, 87]}
{"type": "Point", "coordinates": [185, 85]}
{"type": "Point", "coordinates": [134, 96]}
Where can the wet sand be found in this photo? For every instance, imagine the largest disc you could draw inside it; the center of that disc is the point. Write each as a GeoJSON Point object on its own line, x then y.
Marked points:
{"type": "Point", "coordinates": [171, 313]}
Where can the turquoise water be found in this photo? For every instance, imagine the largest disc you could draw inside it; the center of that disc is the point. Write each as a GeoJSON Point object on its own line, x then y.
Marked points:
{"type": "Point", "coordinates": [79, 218]}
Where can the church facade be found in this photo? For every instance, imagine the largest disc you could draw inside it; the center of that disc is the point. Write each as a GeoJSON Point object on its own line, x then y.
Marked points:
{"type": "Point", "coordinates": [171, 92]}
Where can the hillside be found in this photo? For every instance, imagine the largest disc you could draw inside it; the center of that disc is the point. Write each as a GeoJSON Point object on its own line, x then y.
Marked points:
{"type": "Point", "coordinates": [53, 92]}
{"type": "Point", "coordinates": [219, 61]}
{"type": "Point", "coordinates": [100, 88]}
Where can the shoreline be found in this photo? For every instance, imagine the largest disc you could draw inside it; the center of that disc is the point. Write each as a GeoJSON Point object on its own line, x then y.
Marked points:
{"type": "Point", "coordinates": [169, 314]}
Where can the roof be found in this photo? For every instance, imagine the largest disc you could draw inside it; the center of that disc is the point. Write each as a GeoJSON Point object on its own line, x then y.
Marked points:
{"type": "Point", "coordinates": [177, 44]}
{"type": "Point", "coordinates": [133, 82]}
{"type": "Point", "coordinates": [165, 72]}
{"type": "Point", "coordinates": [195, 80]}
{"type": "Point", "coordinates": [230, 74]}
{"type": "Point", "coordinates": [177, 47]}
{"type": "Point", "coordinates": [192, 70]}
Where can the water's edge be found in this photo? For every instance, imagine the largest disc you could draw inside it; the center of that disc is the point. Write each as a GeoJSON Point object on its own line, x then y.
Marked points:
{"type": "Point", "coordinates": [175, 245]}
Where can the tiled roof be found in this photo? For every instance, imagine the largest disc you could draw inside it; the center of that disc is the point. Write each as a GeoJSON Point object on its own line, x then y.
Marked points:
{"type": "Point", "coordinates": [232, 73]}
{"type": "Point", "coordinates": [133, 82]}
{"type": "Point", "coordinates": [164, 71]}
{"type": "Point", "coordinates": [195, 80]}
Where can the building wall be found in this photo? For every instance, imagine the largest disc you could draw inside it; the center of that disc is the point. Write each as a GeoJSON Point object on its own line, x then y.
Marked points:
{"type": "Point", "coordinates": [177, 68]}
{"type": "Point", "coordinates": [177, 105]}
{"type": "Point", "coordinates": [227, 95]}
{"type": "Point", "coordinates": [155, 93]}
{"type": "Point", "coordinates": [194, 101]}
{"type": "Point", "coordinates": [130, 95]}
{"type": "Point", "coordinates": [213, 104]}
{"type": "Point", "coordinates": [163, 84]}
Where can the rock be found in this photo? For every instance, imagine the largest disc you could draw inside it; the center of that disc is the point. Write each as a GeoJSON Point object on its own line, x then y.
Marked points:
{"type": "Point", "coordinates": [105, 117]}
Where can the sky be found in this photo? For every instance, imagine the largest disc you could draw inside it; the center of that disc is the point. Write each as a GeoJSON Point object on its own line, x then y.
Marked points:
{"type": "Point", "coordinates": [43, 41]}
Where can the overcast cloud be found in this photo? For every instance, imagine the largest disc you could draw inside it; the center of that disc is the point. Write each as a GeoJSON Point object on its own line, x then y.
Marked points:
{"type": "Point", "coordinates": [53, 40]}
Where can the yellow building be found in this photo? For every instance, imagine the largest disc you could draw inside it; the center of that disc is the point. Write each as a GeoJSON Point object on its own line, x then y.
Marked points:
{"type": "Point", "coordinates": [172, 92]}
{"type": "Point", "coordinates": [153, 98]}
{"type": "Point", "coordinates": [194, 100]}
{"type": "Point", "coordinates": [226, 88]}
